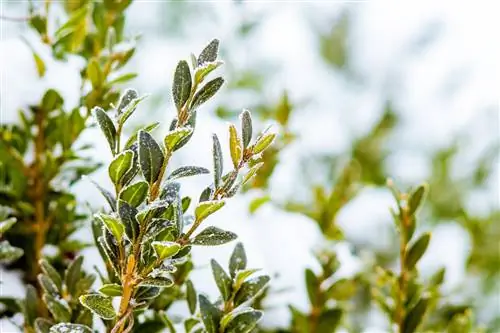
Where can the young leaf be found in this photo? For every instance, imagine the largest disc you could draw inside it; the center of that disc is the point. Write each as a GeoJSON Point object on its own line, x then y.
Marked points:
{"type": "Point", "coordinates": [414, 317]}
{"type": "Point", "coordinates": [173, 138]}
{"type": "Point", "coordinates": [234, 146]}
{"type": "Point", "coordinates": [95, 74]}
{"type": "Point", "coordinates": [112, 224]}
{"type": "Point", "coordinates": [73, 274]}
{"type": "Point", "coordinates": [207, 208]}
{"type": "Point", "coordinates": [51, 272]}
{"type": "Point", "coordinates": [203, 70]}
{"type": "Point", "coordinates": [210, 315]}
{"type": "Point", "coordinates": [342, 290]}
{"type": "Point", "coordinates": [213, 236]}
{"type": "Point", "coordinates": [206, 92]}
{"type": "Point", "coordinates": [263, 142]}
{"type": "Point", "coordinates": [57, 307]}
{"type": "Point", "coordinates": [111, 289]}
{"type": "Point", "coordinates": [209, 53]}
{"type": "Point", "coordinates": [223, 281]}
{"type": "Point", "coordinates": [120, 165]}
{"type": "Point", "coordinates": [238, 260]}
{"type": "Point", "coordinates": [150, 157]}
{"type": "Point", "coordinates": [68, 327]}
{"type": "Point", "coordinates": [98, 304]}
{"type": "Point", "coordinates": [242, 275]}
{"type": "Point", "coordinates": [7, 224]}
{"type": "Point", "coordinates": [165, 249]}
{"type": "Point", "coordinates": [252, 172]}
{"type": "Point", "coordinates": [250, 289]}
{"type": "Point", "coordinates": [244, 322]}
{"type": "Point", "coordinates": [191, 296]}
{"type": "Point", "coordinates": [127, 215]}
{"type": "Point", "coordinates": [107, 126]}
{"type": "Point", "coordinates": [135, 194]}
{"type": "Point", "coordinates": [415, 199]}
{"type": "Point", "coordinates": [246, 127]}
{"type": "Point", "coordinates": [187, 171]}
{"type": "Point", "coordinates": [218, 161]}
{"type": "Point", "coordinates": [181, 87]}
{"type": "Point", "coordinates": [417, 250]}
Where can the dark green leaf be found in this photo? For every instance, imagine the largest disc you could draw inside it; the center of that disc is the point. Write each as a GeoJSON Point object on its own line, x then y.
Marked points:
{"type": "Point", "coordinates": [206, 92]}
{"type": "Point", "coordinates": [209, 53]}
{"type": "Point", "coordinates": [417, 250]}
{"type": "Point", "coordinates": [30, 305]}
{"type": "Point", "coordinates": [210, 315]}
{"type": "Point", "coordinates": [187, 171]}
{"type": "Point", "coordinates": [127, 215]}
{"type": "Point", "coordinates": [312, 285]}
{"type": "Point", "coordinates": [329, 320]}
{"type": "Point", "coordinates": [157, 282]}
{"type": "Point", "coordinates": [59, 309]}
{"type": "Point", "coordinates": [98, 304]}
{"type": "Point", "coordinates": [415, 316]}
{"type": "Point", "coordinates": [150, 157]}
{"type": "Point", "coordinates": [107, 126]}
{"type": "Point", "coordinates": [191, 297]}
{"type": "Point", "coordinates": [213, 236]}
{"type": "Point", "coordinates": [415, 199]}
{"type": "Point", "coordinates": [238, 259]}
{"type": "Point", "coordinates": [246, 127]}
{"type": "Point", "coordinates": [218, 161]}
{"type": "Point", "coordinates": [223, 281]}
{"type": "Point", "coordinates": [181, 87]}
{"type": "Point", "coordinates": [110, 198]}
{"type": "Point", "coordinates": [51, 272]}
{"type": "Point", "coordinates": [250, 289]}
{"type": "Point", "coordinates": [133, 138]}
{"type": "Point", "coordinates": [70, 328]}
{"type": "Point", "coordinates": [244, 322]}
{"type": "Point", "coordinates": [73, 274]}
{"type": "Point", "coordinates": [135, 194]}
{"type": "Point", "coordinates": [125, 99]}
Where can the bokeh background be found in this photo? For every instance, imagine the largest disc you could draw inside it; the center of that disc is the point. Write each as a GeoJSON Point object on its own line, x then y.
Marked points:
{"type": "Point", "coordinates": [405, 89]}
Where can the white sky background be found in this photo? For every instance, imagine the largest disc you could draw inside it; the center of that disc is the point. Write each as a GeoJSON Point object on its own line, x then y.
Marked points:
{"type": "Point", "coordinates": [383, 31]}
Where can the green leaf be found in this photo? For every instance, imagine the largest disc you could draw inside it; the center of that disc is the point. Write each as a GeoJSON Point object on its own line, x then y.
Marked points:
{"type": "Point", "coordinates": [157, 282]}
{"type": "Point", "coordinates": [121, 164]}
{"type": "Point", "coordinates": [312, 285]}
{"type": "Point", "coordinates": [263, 142]}
{"type": "Point", "coordinates": [250, 289]}
{"type": "Point", "coordinates": [110, 198]}
{"type": "Point", "coordinates": [130, 109]}
{"type": "Point", "coordinates": [213, 236]}
{"type": "Point", "coordinates": [135, 194]}
{"type": "Point", "coordinates": [40, 64]}
{"type": "Point", "coordinates": [113, 224]}
{"type": "Point", "coordinates": [206, 92]}
{"type": "Point", "coordinates": [223, 281]}
{"type": "Point", "coordinates": [51, 100]}
{"type": "Point", "coordinates": [209, 53]}
{"type": "Point", "coordinates": [70, 328]}
{"type": "Point", "coordinates": [9, 253]}
{"type": "Point", "coordinates": [7, 224]}
{"type": "Point", "coordinates": [242, 275]}
{"type": "Point", "coordinates": [415, 199]}
{"type": "Point", "coordinates": [417, 250]}
{"type": "Point", "coordinates": [207, 208]}
{"type": "Point", "coordinates": [73, 274]}
{"type": "Point", "coordinates": [176, 136]}
{"type": "Point", "coordinates": [244, 322]}
{"type": "Point", "coordinates": [43, 325]}
{"type": "Point", "coordinates": [186, 201]}
{"type": "Point", "coordinates": [47, 285]}
{"type": "Point", "coordinates": [125, 99]}
{"type": "Point", "coordinates": [210, 315]}
{"type": "Point", "coordinates": [203, 70]}
{"type": "Point", "coordinates": [238, 260]}
{"type": "Point", "coordinates": [342, 290]}
{"type": "Point", "coordinates": [106, 125]}
{"type": "Point", "coordinates": [328, 320]}
{"type": "Point", "coordinates": [111, 289]}
{"type": "Point", "coordinates": [191, 297]}
{"type": "Point", "coordinates": [59, 309]}
{"type": "Point", "coordinates": [218, 161]}
{"type": "Point", "coordinates": [235, 146]}
{"type": "Point", "coordinates": [51, 272]}
{"type": "Point", "coordinates": [95, 74]}
{"type": "Point", "coordinates": [165, 249]}
{"type": "Point", "coordinates": [30, 304]}
{"type": "Point", "coordinates": [256, 203]}
{"type": "Point", "coordinates": [187, 171]}
{"type": "Point", "coordinates": [99, 305]}
{"type": "Point", "coordinates": [133, 138]}
{"type": "Point", "coordinates": [415, 316]}
{"type": "Point", "coordinates": [150, 157]}
{"type": "Point", "coordinates": [252, 172]}
{"type": "Point", "coordinates": [181, 87]}
{"type": "Point", "coordinates": [246, 127]}
{"type": "Point", "coordinates": [128, 218]}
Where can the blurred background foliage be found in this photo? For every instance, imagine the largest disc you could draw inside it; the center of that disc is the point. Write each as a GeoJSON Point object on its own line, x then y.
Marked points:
{"type": "Point", "coordinates": [456, 181]}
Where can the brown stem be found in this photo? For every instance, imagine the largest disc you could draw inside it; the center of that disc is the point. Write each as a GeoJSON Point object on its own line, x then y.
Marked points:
{"type": "Point", "coordinates": [128, 283]}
